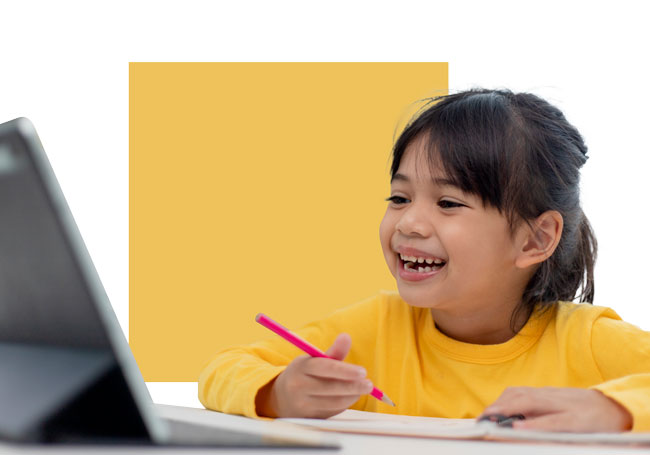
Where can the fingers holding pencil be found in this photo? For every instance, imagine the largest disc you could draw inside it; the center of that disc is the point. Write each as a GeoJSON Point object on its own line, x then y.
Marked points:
{"type": "Point", "coordinates": [321, 365]}
{"type": "Point", "coordinates": [315, 387]}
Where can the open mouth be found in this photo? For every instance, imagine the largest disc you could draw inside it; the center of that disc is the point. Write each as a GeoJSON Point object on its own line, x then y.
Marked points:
{"type": "Point", "coordinates": [421, 265]}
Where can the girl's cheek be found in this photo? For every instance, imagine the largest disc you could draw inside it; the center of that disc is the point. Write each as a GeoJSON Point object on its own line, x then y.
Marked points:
{"type": "Point", "coordinates": [385, 235]}
{"type": "Point", "coordinates": [385, 232]}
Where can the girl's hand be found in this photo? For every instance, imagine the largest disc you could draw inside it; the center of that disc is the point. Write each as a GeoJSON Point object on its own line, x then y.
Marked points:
{"type": "Point", "coordinates": [315, 387]}
{"type": "Point", "coordinates": [561, 409]}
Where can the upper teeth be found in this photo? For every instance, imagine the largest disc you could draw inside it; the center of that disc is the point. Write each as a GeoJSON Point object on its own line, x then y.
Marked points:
{"type": "Point", "coordinates": [420, 260]}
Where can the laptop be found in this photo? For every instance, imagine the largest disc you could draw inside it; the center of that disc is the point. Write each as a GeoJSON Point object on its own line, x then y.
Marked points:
{"type": "Point", "coordinates": [67, 374]}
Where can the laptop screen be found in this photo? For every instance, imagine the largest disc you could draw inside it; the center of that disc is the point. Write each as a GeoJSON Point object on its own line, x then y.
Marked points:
{"type": "Point", "coordinates": [44, 296]}
{"type": "Point", "coordinates": [61, 348]}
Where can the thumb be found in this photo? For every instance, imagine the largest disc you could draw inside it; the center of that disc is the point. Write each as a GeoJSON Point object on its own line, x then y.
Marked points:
{"type": "Point", "coordinates": [340, 347]}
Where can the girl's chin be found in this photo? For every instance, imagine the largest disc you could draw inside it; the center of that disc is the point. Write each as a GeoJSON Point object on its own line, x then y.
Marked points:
{"type": "Point", "coordinates": [416, 298]}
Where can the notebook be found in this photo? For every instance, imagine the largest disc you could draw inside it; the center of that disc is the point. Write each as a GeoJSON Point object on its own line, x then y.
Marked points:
{"type": "Point", "coordinates": [360, 422]}
{"type": "Point", "coordinates": [68, 374]}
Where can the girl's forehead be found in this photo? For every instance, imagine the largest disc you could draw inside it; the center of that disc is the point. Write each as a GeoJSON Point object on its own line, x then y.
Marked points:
{"type": "Point", "coordinates": [420, 165]}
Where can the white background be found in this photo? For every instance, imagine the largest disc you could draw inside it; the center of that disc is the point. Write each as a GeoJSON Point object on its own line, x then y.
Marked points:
{"type": "Point", "coordinates": [64, 65]}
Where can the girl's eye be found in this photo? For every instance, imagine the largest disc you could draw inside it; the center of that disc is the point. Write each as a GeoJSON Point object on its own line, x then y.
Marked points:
{"type": "Point", "coordinates": [449, 204]}
{"type": "Point", "coordinates": [397, 200]}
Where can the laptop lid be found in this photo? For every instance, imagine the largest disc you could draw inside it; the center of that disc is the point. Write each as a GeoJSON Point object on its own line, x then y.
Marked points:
{"type": "Point", "coordinates": [67, 372]}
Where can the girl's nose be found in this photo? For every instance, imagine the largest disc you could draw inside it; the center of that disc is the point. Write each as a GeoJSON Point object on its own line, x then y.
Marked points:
{"type": "Point", "coordinates": [415, 221]}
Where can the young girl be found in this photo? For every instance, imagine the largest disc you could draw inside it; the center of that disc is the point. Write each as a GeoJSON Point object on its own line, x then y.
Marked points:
{"type": "Point", "coordinates": [487, 241]}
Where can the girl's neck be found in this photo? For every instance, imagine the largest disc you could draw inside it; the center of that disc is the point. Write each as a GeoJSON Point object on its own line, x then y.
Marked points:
{"type": "Point", "coordinates": [489, 327]}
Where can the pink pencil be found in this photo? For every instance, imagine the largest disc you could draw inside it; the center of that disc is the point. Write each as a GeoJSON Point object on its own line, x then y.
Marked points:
{"type": "Point", "coordinates": [308, 348]}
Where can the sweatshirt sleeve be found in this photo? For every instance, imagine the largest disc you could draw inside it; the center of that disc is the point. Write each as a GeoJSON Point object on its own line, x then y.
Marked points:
{"type": "Point", "coordinates": [230, 381]}
{"type": "Point", "coordinates": [622, 354]}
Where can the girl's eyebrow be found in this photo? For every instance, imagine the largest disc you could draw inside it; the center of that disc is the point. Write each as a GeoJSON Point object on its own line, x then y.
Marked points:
{"type": "Point", "coordinates": [401, 177]}
{"type": "Point", "coordinates": [440, 181]}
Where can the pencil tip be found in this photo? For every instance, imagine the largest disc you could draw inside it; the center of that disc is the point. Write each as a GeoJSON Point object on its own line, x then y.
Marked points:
{"type": "Point", "coordinates": [387, 400]}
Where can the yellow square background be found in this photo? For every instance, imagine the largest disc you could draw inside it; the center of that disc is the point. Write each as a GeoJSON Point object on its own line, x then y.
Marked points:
{"type": "Point", "coordinates": [256, 187]}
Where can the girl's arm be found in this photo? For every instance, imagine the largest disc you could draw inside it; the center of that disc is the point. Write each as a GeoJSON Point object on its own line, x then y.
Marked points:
{"type": "Point", "coordinates": [234, 379]}
{"type": "Point", "coordinates": [619, 401]}
{"type": "Point", "coordinates": [622, 354]}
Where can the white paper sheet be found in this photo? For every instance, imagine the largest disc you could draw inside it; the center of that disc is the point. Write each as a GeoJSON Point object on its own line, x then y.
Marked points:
{"type": "Point", "coordinates": [352, 421]}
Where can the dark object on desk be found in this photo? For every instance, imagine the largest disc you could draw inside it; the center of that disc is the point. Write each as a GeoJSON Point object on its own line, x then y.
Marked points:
{"type": "Point", "coordinates": [66, 371]}
{"type": "Point", "coordinates": [502, 420]}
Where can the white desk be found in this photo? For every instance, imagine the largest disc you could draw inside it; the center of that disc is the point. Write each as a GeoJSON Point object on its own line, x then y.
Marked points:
{"type": "Point", "coordinates": [351, 444]}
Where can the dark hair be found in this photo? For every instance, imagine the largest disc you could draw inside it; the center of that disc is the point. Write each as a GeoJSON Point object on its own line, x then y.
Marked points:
{"type": "Point", "coordinates": [519, 154]}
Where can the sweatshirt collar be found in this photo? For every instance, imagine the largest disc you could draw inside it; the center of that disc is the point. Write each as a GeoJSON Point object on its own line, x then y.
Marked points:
{"type": "Point", "coordinates": [486, 353]}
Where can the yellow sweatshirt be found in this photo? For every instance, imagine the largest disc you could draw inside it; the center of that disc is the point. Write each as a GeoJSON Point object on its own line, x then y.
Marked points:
{"type": "Point", "coordinates": [429, 374]}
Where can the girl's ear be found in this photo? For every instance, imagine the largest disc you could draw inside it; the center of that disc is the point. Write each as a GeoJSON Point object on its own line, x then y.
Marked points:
{"type": "Point", "coordinates": [539, 240]}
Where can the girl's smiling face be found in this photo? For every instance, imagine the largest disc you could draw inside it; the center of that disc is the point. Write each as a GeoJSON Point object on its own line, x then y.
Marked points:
{"type": "Point", "coordinates": [428, 218]}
